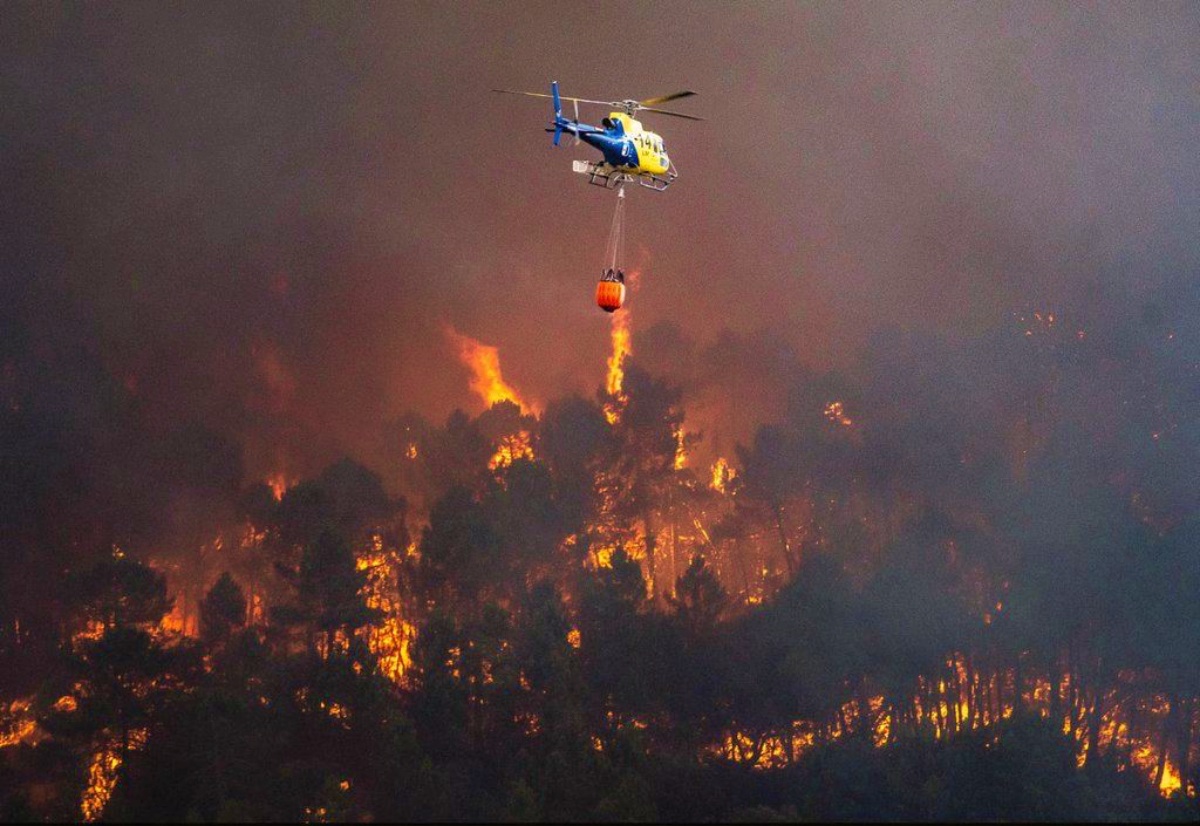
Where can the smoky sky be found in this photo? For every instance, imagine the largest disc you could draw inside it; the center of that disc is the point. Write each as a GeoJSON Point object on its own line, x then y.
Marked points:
{"type": "Point", "coordinates": [262, 217]}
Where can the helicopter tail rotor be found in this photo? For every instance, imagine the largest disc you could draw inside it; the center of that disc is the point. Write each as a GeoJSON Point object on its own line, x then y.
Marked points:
{"type": "Point", "coordinates": [558, 130]}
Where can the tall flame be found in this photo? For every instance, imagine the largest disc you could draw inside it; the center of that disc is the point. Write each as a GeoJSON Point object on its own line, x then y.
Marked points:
{"type": "Point", "coordinates": [621, 347]}
{"type": "Point", "coordinates": [722, 475]}
{"type": "Point", "coordinates": [484, 362]}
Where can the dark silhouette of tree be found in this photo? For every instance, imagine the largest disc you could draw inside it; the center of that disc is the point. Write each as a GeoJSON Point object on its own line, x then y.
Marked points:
{"type": "Point", "coordinates": [223, 611]}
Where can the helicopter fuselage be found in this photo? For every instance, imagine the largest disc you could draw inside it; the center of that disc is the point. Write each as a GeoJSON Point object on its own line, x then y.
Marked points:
{"type": "Point", "coordinates": [625, 145]}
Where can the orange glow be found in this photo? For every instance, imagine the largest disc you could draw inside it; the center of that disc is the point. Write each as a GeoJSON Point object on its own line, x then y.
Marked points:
{"type": "Point", "coordinates": [835, 411]}
{"type": "Point", "coordinates": [174, 622]}
{"type": "Point", "coordinates": [622, 346]}
{"type": "Point", "coordinates": [102, 780]}
{"type": "Point", "coordinates": [19, 724]}
{"type": "Point", "coordinates": [279, 484]}
{"type": "Point", "coordinates": [391, 638]}
{"type": "Point", "coordinates": [512, 447]}
{"type": "Point", "coordinates": [94, 630]}
{"type": "Point", "coordinates": [573, 638]}
{"type": "Point", "coordinates": [1171, 782]}
{"type": "Point", "coordinates": [487, 382]}
{"type": "Point", "coordinates": [722, 475]}
{"type": "Point", "coordinates": [604, 557]}
{"type": "Point", "coordinates": [680, 450]}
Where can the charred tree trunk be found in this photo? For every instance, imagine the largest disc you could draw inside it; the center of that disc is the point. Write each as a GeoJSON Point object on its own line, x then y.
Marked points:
{"type": "Point", "coordinates": [651, 567]}
{"type": "Point", "coordinates": [1095, 720]}
{"type": "Point", "coordinates": [1185, 741]}
{"type": "Point", "coordinates": [784, 542]}
{"type": "Point", "coordinates": [1164, 742]}
{"type": "Point", "coordinates": [1056, 713]}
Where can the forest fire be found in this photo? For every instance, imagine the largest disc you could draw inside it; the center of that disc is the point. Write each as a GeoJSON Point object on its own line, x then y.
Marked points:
{"type": "Point", "coordinates": [640, 559]}
{"type": "Point", "coordinates": [884, 510]}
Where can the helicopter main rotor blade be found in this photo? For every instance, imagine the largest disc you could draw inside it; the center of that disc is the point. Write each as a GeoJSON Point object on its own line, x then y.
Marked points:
{"type": "Point", "coordinates": [672, 114]}
{"type": "Point", "coordinates": [664, 98]}
{"type": "Point", "coordinates": [544, 95]}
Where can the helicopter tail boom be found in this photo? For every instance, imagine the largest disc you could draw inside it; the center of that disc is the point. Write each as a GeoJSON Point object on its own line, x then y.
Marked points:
{"type": "Point", "coordinates": [558, 118]}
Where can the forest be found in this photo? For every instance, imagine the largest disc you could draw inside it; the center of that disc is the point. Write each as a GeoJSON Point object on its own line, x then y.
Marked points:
{"type": "Point", "coordinates": [957, 579]}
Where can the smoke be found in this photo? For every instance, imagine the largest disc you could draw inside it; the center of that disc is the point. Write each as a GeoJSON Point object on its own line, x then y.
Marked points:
{"type": "Point", "coordinates": [255, 226]}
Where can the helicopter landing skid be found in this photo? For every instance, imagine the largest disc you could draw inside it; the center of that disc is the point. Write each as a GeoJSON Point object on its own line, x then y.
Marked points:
{"type": "Point", "coordinates": [609, 177]}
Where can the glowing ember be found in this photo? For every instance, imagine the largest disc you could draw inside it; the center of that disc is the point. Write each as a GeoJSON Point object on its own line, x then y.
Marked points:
{"type": "Point", "coordinates": [835, 411]}
{"type": "Point", "coordinates": [19, 724]}
{"type": "Point", "coordinates": [102, 780]}
{"type": "Point", "coordinates": [94, 630]}
{"type": "Point", "coordinates": [484, 362]}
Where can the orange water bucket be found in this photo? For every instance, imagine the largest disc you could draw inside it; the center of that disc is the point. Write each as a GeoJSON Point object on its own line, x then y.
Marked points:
{"type": "Point", "coordinates": [610, 295]}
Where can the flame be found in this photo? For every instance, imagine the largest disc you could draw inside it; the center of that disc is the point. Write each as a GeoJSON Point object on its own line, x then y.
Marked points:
{"type": "Point", "coordinates": [102, 780]}
{"type": "Point", "coordinates": [722, 475]}
{"type": "Point", "coordinates": [21, 726]}
{"type": "Point", "coordinates": [279, 484]}
{"type": "Point", "coordinates": [93, 630]}
{"type": "Point", "coordinates": [1171, 782]}
{"type": "Point", "coordinates": [102, 774]}
{"type": "Point", "coordinates": [604, 557]}
{"type": "Point", "coordinates": [484, 361]}
{"type": "Point", "coordinates": [622, 346]}
{"type": "Point", "coordinates": [680, 449]}
{"type": "Point", "coordinates": [512, 447]}
{"type": "Point", "coordinates": [174, 623]}
{"type": "Point", "coordinates": [391, 638]}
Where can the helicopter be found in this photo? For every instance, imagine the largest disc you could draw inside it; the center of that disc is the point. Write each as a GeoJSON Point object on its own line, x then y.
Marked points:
{"type": "Point", "coordinates": [630, 152]}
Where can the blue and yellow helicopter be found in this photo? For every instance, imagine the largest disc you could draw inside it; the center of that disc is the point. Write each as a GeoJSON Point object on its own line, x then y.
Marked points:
{"type": "Point", "coordinates": [630, 152]}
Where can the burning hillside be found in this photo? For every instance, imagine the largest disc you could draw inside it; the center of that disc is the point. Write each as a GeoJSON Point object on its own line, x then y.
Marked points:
{"type": "Point", "coordinates": [328, 494]}
{"type": "Point", "coordinates": [838, 586]}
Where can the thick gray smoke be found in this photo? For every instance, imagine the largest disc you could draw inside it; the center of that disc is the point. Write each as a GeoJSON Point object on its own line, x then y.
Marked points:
{"type": "Point", "coordinates": [258, 221]}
